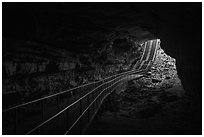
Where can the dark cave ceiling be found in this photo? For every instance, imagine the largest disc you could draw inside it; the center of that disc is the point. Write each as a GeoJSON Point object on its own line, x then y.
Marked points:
{"type": "Point", "coordinates": [80, 24]}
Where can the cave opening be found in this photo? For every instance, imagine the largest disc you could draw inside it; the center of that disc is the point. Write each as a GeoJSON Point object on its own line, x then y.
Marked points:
{"type": "Point", "coordinates": [144, 98]}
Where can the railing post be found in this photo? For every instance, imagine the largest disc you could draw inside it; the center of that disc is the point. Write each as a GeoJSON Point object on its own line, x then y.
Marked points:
{"type": "Point", "coordinates": [58, 108]}
{"type": "Point", "coordinates": [16, 120]}
{"type": "Point", "coordinates": [57, 102]}
{"type": "Point", "coordinates": [88, 101]}
{"type": "Point", "coordinates": [80, 112]}
{"type": "Point", "coordinates": [97, 100]}
{"type": "Point", "coordinates": [42, 113]}
{"type": "Point", "coordinates": [67, 111]}
{"type": "Point", "coordinates": [93, 102]}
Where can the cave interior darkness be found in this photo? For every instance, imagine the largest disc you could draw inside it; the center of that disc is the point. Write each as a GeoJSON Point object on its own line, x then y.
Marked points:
{"type": "Point", "coordinates": [56, 30]}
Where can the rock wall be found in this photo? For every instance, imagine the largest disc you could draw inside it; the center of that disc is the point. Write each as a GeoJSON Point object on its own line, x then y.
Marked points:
{"type": "Point", "coordinates": [163, 74]}
{"type": "Point", "coordinates": [31, 75]}
{"type": "Point", "coordinates": [82, 27]}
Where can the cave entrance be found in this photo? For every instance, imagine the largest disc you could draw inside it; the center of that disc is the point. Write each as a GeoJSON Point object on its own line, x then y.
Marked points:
{"type": "Point", "coordinates": [143, 99]}
{"type": "Point", "coordinates": [148, 54]}
{"type": "Point", "coordinates": [163, 68]}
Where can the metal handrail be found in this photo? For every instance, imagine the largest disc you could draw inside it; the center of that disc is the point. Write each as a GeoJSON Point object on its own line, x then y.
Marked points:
{"type": "Point", "coordinates": [62, 92]}
{"type": "Point", "coordinates": [65, 91]}
{"type": "Point", "coordinates": [95, 100]}
{"type": "Point", "coordinates": [43, 123]}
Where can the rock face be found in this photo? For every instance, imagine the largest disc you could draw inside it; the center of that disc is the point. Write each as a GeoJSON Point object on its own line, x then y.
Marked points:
{"type": "Point", "coordinates": [82, 26]}
{"type": "Point", "coordinates": [155, 104]}
{"type": "Point", "coordinates": [162, 85]}
{"type": "Point", "coordinates": [34, 71]}
{"type": "Point", "coordinates": [163, 74]}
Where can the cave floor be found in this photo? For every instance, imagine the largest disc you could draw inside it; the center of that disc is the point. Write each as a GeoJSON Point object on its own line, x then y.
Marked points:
{"type": "Point", "coordinates": [157, 114]}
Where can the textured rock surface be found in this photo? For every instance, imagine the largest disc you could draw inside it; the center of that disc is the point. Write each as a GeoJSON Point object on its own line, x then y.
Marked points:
{"type": "Point", "coordinates": [155, 104]}
{"type": "Point", "coordinates": [146, 108]}
{"type": "Point", "coordinates": [33, 70]}
{"type": "Point", "coordinates": [163, 73]}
